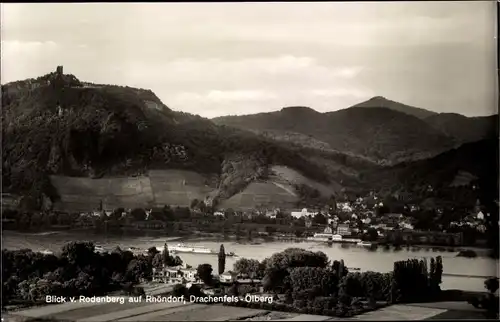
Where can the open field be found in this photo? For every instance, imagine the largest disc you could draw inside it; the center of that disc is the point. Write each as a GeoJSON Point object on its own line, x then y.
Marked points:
{"type": "Point", "coordinates": [84, 312]}
{"type": "Point", "coordinates": [458, 315]}
{"type": "Point", "coordinates": [164, 187]}
{"type": "Point", "coordinates": [176, 188]}
{"type": "Point", "coordinates": [261, 194]}
{"type": "Point", "coordinates": [86, 194]}
{"type": "Point", "coordinates": [128, 312]}
{"type": "Point", "coordinates": [288, 176]}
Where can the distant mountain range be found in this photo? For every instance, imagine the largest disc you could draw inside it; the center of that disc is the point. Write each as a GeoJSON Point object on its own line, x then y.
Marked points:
{"type": "Point", "coordinates": [379, 129]}
{"type": "Point", "coordinates": [58, 125]}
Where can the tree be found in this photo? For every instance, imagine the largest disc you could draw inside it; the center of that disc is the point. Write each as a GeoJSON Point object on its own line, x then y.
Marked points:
{"type": "Point", "coordinates": [320, 219]}
{"type": "Point", "coordinates": [138, 214]}
{"type": "Point", "coordinates": [194, 203]}
{"type": "Point", "coordinates": [152, 251]}
{"type": "Point", "coordinates": [158, 261]}
{"type": "Point", "coordinates": [491, 284]}
{"type": "Point", "coordinates": [222, 259]}
{"type": "Point", "coordinates": [238, 232]}
{"type": "Point", "coordinates": [278, 265]}
{"type": "Point", "coordinates": [439, 272]}
{"type": "Point", "coordinates": [233, 290]}
{"type": "Point", "coordinates": [195, 290]}
{"type": "Point", "coordinates": [137, 269]}
{"type": "Point", "coordinates": [249, 267]}
{"type": "Point", "coordinates": [180, 290]}
{"type": "Point", "coordinates": [168, 213]}
{"type": "Point", "coordinates": [182, 212]}
{"type": "Point", "coordinates": [157, 214]}
{"type": "Point", "coordinates": [339, 269]}
{"type": "Point", "coordinates": [371, 234]}
{"type": "Point", "coordinates": [204, 272]}
{"type": "Point", "coordinates": [382, 210]}
{"type": "Point", "coordinates": [490, 302]}
{"type": "Point", "coordinates": [77, 271]}
{"type": "Point", "coordinates": [176, 261]}
{"type": "Point", "coordinates": [229, 213]}
{"type": "Point", "coordinates": [166, 255]}
{"type": "Point", "coordinates": [270, 230]}
{"type": "Point", "coordinates": [79, 254]}
{"type": "Point", "coordinates": [323, 280]}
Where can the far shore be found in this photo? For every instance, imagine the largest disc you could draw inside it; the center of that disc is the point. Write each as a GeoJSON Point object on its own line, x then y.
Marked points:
{"type": "Point", "coordinates": [198, 237]}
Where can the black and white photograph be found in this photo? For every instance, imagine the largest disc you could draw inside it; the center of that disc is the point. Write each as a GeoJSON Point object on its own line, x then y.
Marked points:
{"type": "Point", "coordinates": [249, 161]}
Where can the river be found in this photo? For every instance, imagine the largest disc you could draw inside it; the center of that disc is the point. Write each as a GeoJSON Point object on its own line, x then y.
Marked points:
{"type": "Point", "coordinates": [379, 260]}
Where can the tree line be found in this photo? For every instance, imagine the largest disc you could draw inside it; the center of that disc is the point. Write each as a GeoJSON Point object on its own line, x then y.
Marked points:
{"type": "Point", "coordinates": [29, 276]}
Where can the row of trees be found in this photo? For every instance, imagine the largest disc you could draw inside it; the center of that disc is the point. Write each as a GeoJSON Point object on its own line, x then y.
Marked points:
{"type": "Point", "coordinates": [77, 270]}
{"type": "Point", "coordinates": [311, 283]}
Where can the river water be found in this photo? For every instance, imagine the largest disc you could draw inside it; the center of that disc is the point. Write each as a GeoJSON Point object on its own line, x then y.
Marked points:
{"type": "Point", "coordinates": [353, 256]}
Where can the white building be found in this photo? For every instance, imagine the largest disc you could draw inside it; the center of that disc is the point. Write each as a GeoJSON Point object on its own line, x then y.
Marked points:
{"type": "Point", "coordinates": [228, 277]}
{"type": "Point", "coordinates": [303, 213]}
{"type": "Point", "coordinates": [344, 206]}
{"type": "Point", "coordinates": [406, 225]}
{"type": "Point", "coordinates": [177, 274]}
{"type": "Point", "coordinates": [343, 230]}
{"type": "Point", "coordinates": [271, 215]}
{"type": "Point", "coordinates": [481, 228]}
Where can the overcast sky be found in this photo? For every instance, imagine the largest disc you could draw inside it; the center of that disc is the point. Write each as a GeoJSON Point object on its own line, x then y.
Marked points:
{"type": "Point", "coordinates": [216, 59]}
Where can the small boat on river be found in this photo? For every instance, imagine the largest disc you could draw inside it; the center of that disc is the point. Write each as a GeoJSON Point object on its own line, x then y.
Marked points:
{"type": "Point", "coordinates": [364, 244]}
{"type": "Point", "coordinates": [99, 249]}
{"type": "Point", "coordinates": [183, 248]}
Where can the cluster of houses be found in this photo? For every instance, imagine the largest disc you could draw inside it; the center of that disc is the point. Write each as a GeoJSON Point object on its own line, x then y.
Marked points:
{"type": "Point", "coordinates": [186, 274]}
{"type": "Point", "coordinates": [357, 217]}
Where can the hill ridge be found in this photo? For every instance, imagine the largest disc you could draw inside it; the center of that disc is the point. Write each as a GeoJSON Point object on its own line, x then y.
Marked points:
{"type": "Point", "coordinates": [379, 133]}
{"type": "Point", "coordinates": [381, 101]}
{"type": "Point", "coordinates": [79, 129]}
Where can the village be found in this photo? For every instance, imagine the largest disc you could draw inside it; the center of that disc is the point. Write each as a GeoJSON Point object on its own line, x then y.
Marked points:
{"type": "Point", "coordinates": [367, 218]}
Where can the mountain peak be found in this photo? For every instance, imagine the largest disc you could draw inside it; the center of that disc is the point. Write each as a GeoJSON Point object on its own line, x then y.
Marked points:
{"type": "Point", "coordinates": [298, 109]}
{"type": "Point", "coordinates": [380, 101]}
{"type": "Point", "coordinates": [378, 98]}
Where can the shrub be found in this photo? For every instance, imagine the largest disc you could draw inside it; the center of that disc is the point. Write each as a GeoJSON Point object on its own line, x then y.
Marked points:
{"type": "Point", "coordinates": [413, 281]}
{"type": "Point", "coordinates": [491, 284]}
{"type": "Point", "coordinates": [324, 303]}
{"type": "Point", "coordinates": [299, 303]}
{"type": "Point", "coordinates": [179, 290]}
{"type": "Point", "coordinates": [315, 280]}
{"type": "Point", "coordinates": [317, 311]}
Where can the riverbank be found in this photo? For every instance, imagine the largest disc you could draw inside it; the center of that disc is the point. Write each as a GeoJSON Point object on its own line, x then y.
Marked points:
{"type": "Point", "coordinates": [17, 240]}
{"type": "Point", "coordinates": [197, 235]}
{"type": "Point", "coordinates": [356, 257]}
